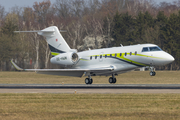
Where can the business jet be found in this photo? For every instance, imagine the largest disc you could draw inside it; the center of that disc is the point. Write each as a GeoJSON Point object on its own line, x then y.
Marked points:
{"type": "Point", "coordinates": [98, 62]}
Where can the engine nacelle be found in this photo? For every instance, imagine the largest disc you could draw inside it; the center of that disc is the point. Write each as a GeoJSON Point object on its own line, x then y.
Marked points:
{"type": "Point", "coordinates": [70, 58]}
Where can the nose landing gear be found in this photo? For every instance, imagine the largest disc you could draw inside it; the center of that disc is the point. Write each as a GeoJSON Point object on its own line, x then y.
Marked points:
{"type": "Point", "coordinates": [152, 71]}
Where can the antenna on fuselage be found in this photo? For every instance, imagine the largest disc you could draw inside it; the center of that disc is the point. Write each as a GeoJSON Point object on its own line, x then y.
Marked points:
{"type": "Point", "coordinates": [121, 45]}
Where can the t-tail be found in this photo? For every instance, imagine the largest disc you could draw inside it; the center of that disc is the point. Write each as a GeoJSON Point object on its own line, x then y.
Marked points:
{"type": "Point", "coordinates": [56, 42]}
{"type": "Point", "coordinates": [60, 50]}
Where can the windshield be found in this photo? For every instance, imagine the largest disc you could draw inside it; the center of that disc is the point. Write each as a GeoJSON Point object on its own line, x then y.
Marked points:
{"type": "Point", "coordinates": [155, 49]}
{"type": "Point", "coordinates": [147, 49]}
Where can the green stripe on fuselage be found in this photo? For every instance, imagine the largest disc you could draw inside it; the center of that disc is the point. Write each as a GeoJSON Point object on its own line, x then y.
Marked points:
{"type": "Point", "coordinates": [54, 54]}
{"type": "Point", "coordinates": [84, 59]}
{"type": "Point", "coordinates": [149, 56]}
{"type": "Point", "coordinates": [125, 59]}
{"type": "Point", "coordinates": [122, 57]}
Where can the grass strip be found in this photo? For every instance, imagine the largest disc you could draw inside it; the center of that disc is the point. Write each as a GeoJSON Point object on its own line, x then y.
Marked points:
{"type": "Point", "coordinates": [89, 106]}
{"type": "Point", "coordinates": [136, 77]}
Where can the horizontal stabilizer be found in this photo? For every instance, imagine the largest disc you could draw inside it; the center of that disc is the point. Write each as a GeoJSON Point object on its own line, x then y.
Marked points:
{"type": "Point", "coordinates": [38, 31]}
{"type": "Point", "coordinates": [26, 31]}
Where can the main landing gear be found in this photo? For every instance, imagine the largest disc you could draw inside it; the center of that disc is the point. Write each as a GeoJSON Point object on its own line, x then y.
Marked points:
{"type": "Point", "coordinates": [152, 71]}
{"type": "Point", "coordinates": [112, 79]}
{"type": "Point", "coordinates": [89, 80]}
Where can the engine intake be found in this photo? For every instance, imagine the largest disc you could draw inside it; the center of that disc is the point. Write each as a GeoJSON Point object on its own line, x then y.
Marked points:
{"type": "Point", "coordinates": [75, 57]}
{"type": "Point", "coordinates": [70, 58]}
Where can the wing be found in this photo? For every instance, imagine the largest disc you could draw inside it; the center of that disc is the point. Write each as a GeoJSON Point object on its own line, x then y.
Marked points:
{"type": "Point", "coordinates": [67, 72]}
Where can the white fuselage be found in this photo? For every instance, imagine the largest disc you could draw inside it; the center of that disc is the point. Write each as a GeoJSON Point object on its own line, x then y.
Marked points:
{"type": "Point", "coordinates": [123, 58]}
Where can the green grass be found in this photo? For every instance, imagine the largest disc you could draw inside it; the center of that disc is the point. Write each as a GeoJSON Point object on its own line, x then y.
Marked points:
{"type": "Point", "coordinates": [89, 106]}
{"type": "Point", "coordinates": [162, 77]}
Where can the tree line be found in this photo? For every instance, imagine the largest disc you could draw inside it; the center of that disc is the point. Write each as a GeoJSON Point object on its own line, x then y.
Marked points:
{"type": "Point", "coordinates": [89, 24]}
{"type": "Point", "coordinates": [143, 28]}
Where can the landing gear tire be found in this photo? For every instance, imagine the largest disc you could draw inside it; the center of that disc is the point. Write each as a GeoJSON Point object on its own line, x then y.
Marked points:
{"type": "Point", "coordinates": [91, 81]}
{"type": "Point", "coordinates": [152, 73]}
{"type": "Point", "coordinates": [112, 80]}
{"type": "Point", "coordinates": [88, 81]}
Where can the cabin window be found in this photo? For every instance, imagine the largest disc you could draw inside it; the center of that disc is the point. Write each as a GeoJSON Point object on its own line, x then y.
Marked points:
{"type": "Point", "coordinates": [95, 57]}
{"type": "Point", "coordinates": [136, 53]}
{"type": "Point", "coordinates": [145, 49]}
{"type": "Point", "coordinates": [90, 57]}
{"type": "Point", "coordinates": [130, 53]}
{"type": "Point", "coordinates": [125, 54]}
{"type": "Point", "coordinates": [120, 54]}
{"type": "Point", "coordinates": [105, 56]}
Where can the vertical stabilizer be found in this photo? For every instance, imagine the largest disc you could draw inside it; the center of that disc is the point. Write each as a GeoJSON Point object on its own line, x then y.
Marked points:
{"type": "Point", "coordinates": [56, 42]}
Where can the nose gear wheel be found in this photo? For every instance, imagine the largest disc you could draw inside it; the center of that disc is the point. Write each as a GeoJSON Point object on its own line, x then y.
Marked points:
{"type": "Point", "coordinates": [152, 71]}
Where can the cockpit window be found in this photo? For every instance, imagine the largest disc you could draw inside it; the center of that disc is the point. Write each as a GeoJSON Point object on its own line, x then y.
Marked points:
{"type": "Point", "coordinates": [155, 48]}
{"type": "Point", "coordinates": [145, 49]}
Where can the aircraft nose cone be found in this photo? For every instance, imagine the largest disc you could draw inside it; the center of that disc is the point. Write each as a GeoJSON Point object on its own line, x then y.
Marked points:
{"type": "Point", "coordinates": [166, 58]}
{"type": "Point", "coordinates": [170, 59]}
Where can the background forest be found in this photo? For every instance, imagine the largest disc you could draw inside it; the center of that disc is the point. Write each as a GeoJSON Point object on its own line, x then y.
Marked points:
{"type": "Point", "coordinates": [89, 24]}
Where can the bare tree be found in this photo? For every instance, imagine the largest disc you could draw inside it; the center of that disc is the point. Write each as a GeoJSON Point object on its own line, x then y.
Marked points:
{"type": "Point", "coordinates": [35, 44]}
{"type": "Point", "coordinates": [2, 14]}
{"type": "Point", "coordinates": [75, 33]}
{"type": "Point", "coordinates": [63, 9]}
{"type": "Point", "coordinates": [41, 10]}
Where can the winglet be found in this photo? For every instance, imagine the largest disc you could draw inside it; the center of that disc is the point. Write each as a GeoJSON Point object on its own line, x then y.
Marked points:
{"type": "Point", "coordinates": [17, 67]}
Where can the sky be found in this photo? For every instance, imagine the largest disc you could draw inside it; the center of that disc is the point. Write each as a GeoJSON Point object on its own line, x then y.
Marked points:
{"type": "Point", "coordinates": [25, 3]}
{"type": "Point", "coordinates": [21, 3]}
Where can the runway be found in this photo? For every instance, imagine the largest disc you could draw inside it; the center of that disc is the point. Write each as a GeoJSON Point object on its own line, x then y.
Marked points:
{"type": "Point", "coordinates": [94, 88]}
